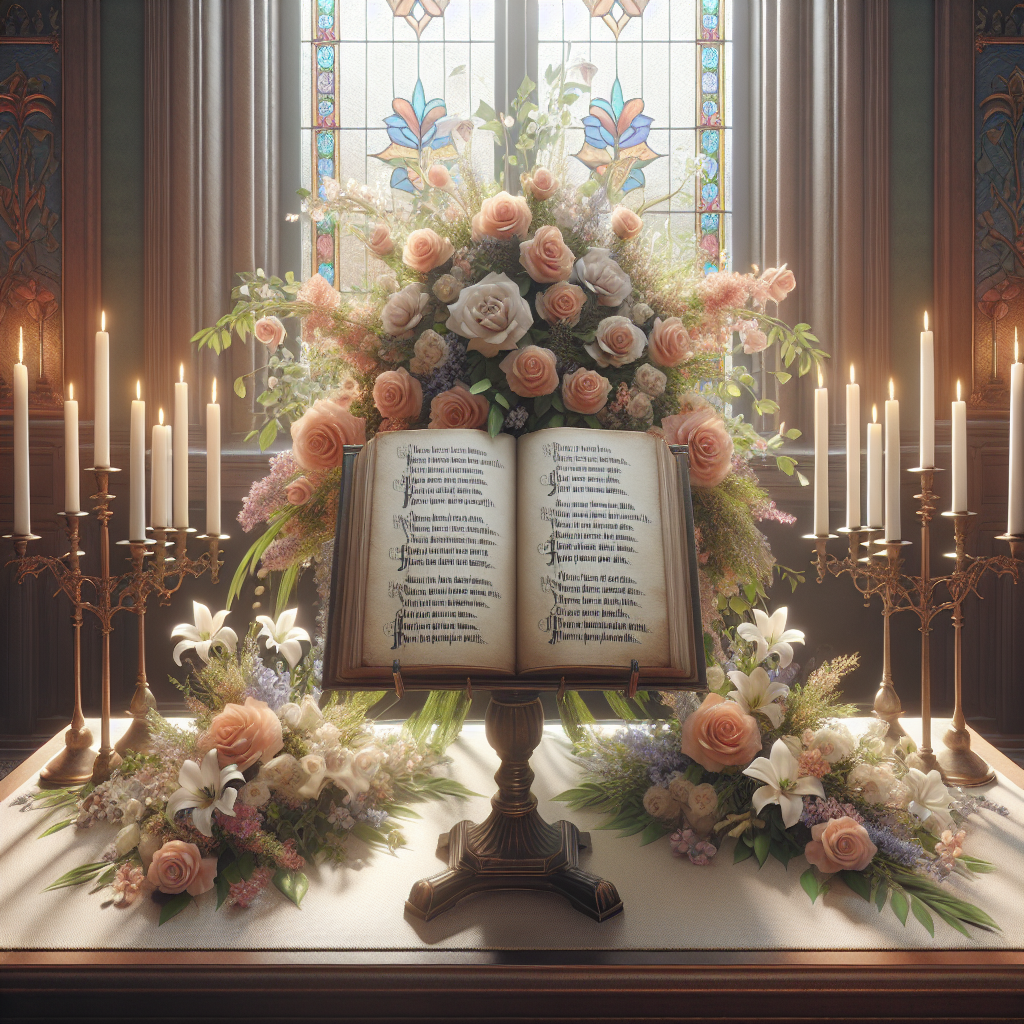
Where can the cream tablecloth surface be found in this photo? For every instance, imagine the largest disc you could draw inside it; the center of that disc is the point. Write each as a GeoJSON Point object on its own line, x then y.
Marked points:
{"type": "Point", "coordinates": [669, 903]}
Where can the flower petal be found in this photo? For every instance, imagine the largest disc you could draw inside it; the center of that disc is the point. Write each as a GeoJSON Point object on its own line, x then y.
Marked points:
{"type": "Point", "coordinates": [772, 712]}
{"type": "Point", "coordinates": [204, 620]}
{"type": "Point", "coordinates": [287, 620]}
{"type": "Point", "coordinates": [180, 649]}
{"type": "Point", "coordinates": [202, 818]}
{"type": "Point", "coordinates": [792, 808]}
{"type": "Point", "coordinates": [190, 775]}
{"type": "Point", "coordinates": [228, 637]}
{"type": "Point", "coordinates": [211, 770]}
{"type": "Point", "coordinates": [808, 786]}
{"type": "Point", "coordinates": [761, 768]}
{"type": "Point", "coordinates": [785, 653]}
{"type": "Point", "coordinates": [783, 762]}
{"type": "Point", "coordinates": [187, 630]}
{"type": "Point", "coordinates": [291, 651]}
{"type": "Point", "coordinates": [179, 801]}
{"type": "Point", "coordinates": [218, 621]}
{"type": "Point", "coordinates": [764, 796]}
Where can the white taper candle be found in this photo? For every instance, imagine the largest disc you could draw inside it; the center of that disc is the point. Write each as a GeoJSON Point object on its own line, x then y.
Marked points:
{"type": "Point", "coordinates": [876, 515]}
{"type": "Point", "coordinates": [853, 520]}
{"type": "Point", "coordinates": [927, 396]}
{"type": "Point", "coordinates": [180, 517]}
{"type": "Point", "coordinates": [158, 475]}
{"type": "Point", "coordinates": [137, 469]}
{"type": "Point", "coordinates": [101, 397]}
{"type": "Point", "coordinates": [820, 459]}
{"type": "Point", "coordinates": [72, 475]}
{"type": "Point", "coordinates": [213, 465]}
{"type": "Point", "coordinates": [22, 491]}
{"type": "Point", "coordinates": [893, 531]}
{"type": "Point", "coordinates": [1015, 512]}
{"type": "Point", "coordinates": [958, 431]}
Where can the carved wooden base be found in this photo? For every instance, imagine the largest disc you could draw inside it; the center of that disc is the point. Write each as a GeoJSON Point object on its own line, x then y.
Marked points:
{"type": "Point", "coordinates": [515, 848]}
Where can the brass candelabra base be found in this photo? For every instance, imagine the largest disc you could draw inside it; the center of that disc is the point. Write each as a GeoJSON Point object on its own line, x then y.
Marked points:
{"type": "Point", "coordinates": [514, 848]}
{"type": "Point", "coordinates": [959, 765]}
{"type": "Point", "coordinates": [73, 765]}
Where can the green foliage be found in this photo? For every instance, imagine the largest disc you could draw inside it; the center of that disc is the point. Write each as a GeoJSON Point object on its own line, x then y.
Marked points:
{"type": "Point", "coordinates": [808, 705]}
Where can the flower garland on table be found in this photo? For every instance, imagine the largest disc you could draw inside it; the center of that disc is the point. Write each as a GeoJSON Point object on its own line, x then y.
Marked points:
{"type": "Point", "coordinates": [769, 761]}
{"type": "Point", "coordinates": [262, 783]}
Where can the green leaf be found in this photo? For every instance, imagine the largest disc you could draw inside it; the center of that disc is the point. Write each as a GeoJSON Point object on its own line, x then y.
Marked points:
{"type": "Point", "coordinates": [882, 892]}
{"type": "Point", "coordinates": [223, 890]}
{"type": "Point", "coordinates": [762, 844]}
{"type": "Point", "coordinates": [57, 827]}
{"type": "Point", "coordinates": [558, 420]}
{"type": "Point", "coordinates": [951, 920]}
{"type": "Point", "coordinates": [810, 885]}
{"type": "Point", "coordinates": [793, 433]}
{"type": "Point", "coordinates": [232, 873]}
{"type": "Point", "coordinates": [900, 906]}
{"type": "Point", "coordinates": [786, 464]}
{"type": "Point", "coordinates": [480, 386]}
{"type": "Point", "coordinates": [293, 884]}
{"type": "Point", "coordinates": [920, 911]}
{"type": "Point", "coordinates": [501, 400]}
{"type": "Point", "coordinates": [742, 852]}
{"type": "Point", "coordinates": [858, 883]}
{"type": "Point", "coordinates": [268, 435]}
{"type": "Point", "coordinates": [240, 387]}
{"type": "Point", "coordinates": [654, 831]}
{"type": "Point", "coordinates": [174, 906]}
{"type": "Point", "coordinates": [246, 865]}
{"type": "Point", "coordinates": [76, 876]}
{"type": "Point", "coordinates": [541, 404]}
{"type": "Point", "coordinates": [782, 377]}
{"type": "Point", "coordinates": [495, 418]}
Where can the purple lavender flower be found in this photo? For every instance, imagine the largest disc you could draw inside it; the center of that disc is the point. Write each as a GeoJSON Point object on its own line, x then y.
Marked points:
{"type": "Point", "coordinates": [266, 685]}
{"type": "Point", "coordinates": [445, 377]}
{"type": "Point", "coordinates": [267, 495]}
{"type": "Point", "coordinates": [903, 851]}
{"type": "Point", "coordinates": [817, 810]}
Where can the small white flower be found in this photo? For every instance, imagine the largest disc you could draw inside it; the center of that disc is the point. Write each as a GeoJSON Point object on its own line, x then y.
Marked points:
{"type": "Point", "coordinates": [779, 773]}
{"type": "Point", "coordinates": [835, 741]}
{"type": "Point", "coordinates": [284, 636]}
{"type": "Point", "coordinates": [133, 810]}
{"type": "Point", "coordinates": [255, 793]}
{"type": "Point", "coordinates": [770, 635]}
{"type": "Point", "coordinates": [715, 677]}
{"type": "Point", "coordinates": [127, 839]}
{"type": "Point", "coordinates": [757, 694]}
{"type": "Point", "coordinates": [927, 799]}
{"type": "Point", "coordinates": [304, 717]}
{"type": "Point", "coordinates": [208, 632]}
{"type": "Point", "coordinates": [205, 790]}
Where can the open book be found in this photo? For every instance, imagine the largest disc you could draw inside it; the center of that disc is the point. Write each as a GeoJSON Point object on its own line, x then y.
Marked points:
{"type": "Point", "coordinates": [561, 553]}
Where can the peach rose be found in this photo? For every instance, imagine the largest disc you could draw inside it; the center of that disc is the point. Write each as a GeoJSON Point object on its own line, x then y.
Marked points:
{"type": "Point", "coordinates": [720, 733]}
{"type": "Point", "coordinates": [321, 432]}
{"type": "Point", "coordinates": [429, 352]}
{"type": "Point", "coordinates": [530, 371]}
{"type": "Point", "coordinates": [270, 331]}
{"type": "Point", "coordinates": [545, 256]}
{"type": "Point", "coordinates": [244, 734]}
{"type": "Point", "coordinates": [671, 343]}
{"type": "Point", "coordinates": [626, 223]}
{"type": "Point", "coordinates": [779, 281]}
{"type": "Point", "coordinates": [585, 391]}
{"type": "Point", "coordinates": [561, 303]}
{"type": "Point", "coordinates": [541, 184]}
{"type": "Point", "coordinates": [458, 409]}
{"type": "Point", "coordinates": [618, 341]}
{"type": "Point", "coordinates": [753, 338]}
{"type": "Point", "coordinates": [404, 310]}
{"type": "Point", "coordinates": [502, 216]}
{"type": "Point", "coordinates": [398, 394]}
{"type": "Point", "coordinates": [841, 844]}
{"type": "Point", "coordinates": [298, 492]}
{"type": "Point", "coordinates": [425, 249]}
{"type": "Point", "coordinates": [710, 446]}
{"type": "Point", "coordinates": [650, 380]}
{"type": "Point", "coordinates": [599, 273]}
{"type": "Point", "coordinates": [380, 242]}
{"type": "Point", "coordinates": [439, 176]}
{"type": "Point", "coordinates": [180, 867]}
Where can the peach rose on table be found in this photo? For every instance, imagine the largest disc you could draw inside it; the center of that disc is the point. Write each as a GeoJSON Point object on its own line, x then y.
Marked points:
{"type": "Point", "coordinates": [298, 492]}
{"type": "Point", "coordinates": [502, 216]}
{"type": "Point", "coordinates": [243, 734]}
{"type": "Point", "coordinates": [398, 394]}
{"type": "Point", "coordinates": [599, 273]}
{"type": "Point", "coordinates": [180, 867]}
{"type": "Point", "coordinates": [546, 257]}
{"type": "Point", "coordinates": [380, 242]}
{"type": "Point", "coordinates": [425, 249]}
{"type": "Point", "coordinates": [710, 446]}
{"type": "Point", "coordinates": [438, 176]}
{"type": "Point", "coordinates": [626, 223]}
{"type": "Point", "coordinates": [540, 183]}
{"type": "Point", "coordinates": [457, 409]}
{"type": "Point", "coordinates": [320, 434]}
{"type": "Point", "coordinates": [491, 314]}
{"type": "Point", "coordinates": [585, 391]}
{"type": "Point", "coordinates": [720, 734]}
{"type": "Point", "coordinates": [617, 341]}
{"type": "Point", "coordinates": [561, 303]}
{"type": "Point", "coordinates": [530, 372]}
{"type": "Point", "coordinates": [841, 844]}
{"type": "Point", "coordinates": [404, 310]}
{"type": "Point", "coordinates": [671, 343]}
{"type": "Point", "coordinates": [270, 331]}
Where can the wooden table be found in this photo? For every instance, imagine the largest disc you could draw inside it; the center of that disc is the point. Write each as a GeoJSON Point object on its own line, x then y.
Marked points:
{"type": "Point", "coordinates": [536, 985]}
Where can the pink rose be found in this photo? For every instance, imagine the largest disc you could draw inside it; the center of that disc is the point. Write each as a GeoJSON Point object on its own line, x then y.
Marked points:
{"type": "Point", "coordinates": [320, 434]}
{"type": "Point", "coordinates": [531, 371]}
{"type": "Point", "coordinates": [585, 391]}
{"type": "Point", "coordinates": [298, 492]}
{"type": "Point", "coordinates": [458, 409]}
{"type": "Point", "coordinates": [425, 249]}
{"type": "Point", "coordinates": [541, 184]}
{"type": "Point", "coordinates": [671, 343]}
{"type": "Point", "coordinates": [753, 338]}
{"type": "Point", "coordinates": [270, 331]}
{"type": "Point", "coordinates": [439, 176]}
{"type": "Point", "coordinates": [502, 216]}
{"type": "Point", "coordinates": [545, 256]}
{"type": "Point", "coordinates": [841, 844]}
{"type": "Point", "coordinates": [398, 394]}
{"type": "Point", "coordinates": [720, 733]}
{"type": "Point", "coordinates": [626, 223]}
{"type": "Point", "coordinates": [244, 734]}
{"type": "Point", "coordinates": [180, 867]}
{"type": "Point", "coordinates": [561, 303]}
{"type": "Point", "coordinates": [618, 341]}
{"type": "Point", "coordinates": [404, 310]}
{"type": "Point", "coordinates": [380, 242]}
{"type": "Point", "coordinates": [710, 446]}
{"type": "Point", "coordinates": [779, 282]}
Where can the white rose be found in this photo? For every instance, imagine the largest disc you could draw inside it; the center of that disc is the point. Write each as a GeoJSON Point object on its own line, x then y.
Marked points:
{"type": "Point", "coordinates": [314, 768]}
{"type": "Point", "coordinates": [429, 352]}
{"type": "Point", "coordinates": [133, 810]}
{"type": "Point", "coordinates": [255, 793]}
{"type": "Point", "coordinates": [716, 676]}
{"type": "Point", "coordinates": [328, 734]}
{"type": "Point", "coordinates": [281, 772]}
{"type": "Point", "coordinates": [599, 273]}
{"type": "Point", "coordinates": [875, 782]}
{"type": "Point", "coordinates": [304, 717]}
{"type": "Point", "coordinates": [404, 310]}
{"type": "Point", "coordinates": [650, 380]}
{"type": "Point", "coordinates": [617, 341]}
{"type": "Point", "coordinates": [641, 313]}
{"type": "Point", "coordinates": [835, 741]}
{"type": "Point", "coordinates": [127, 839]}
{"type": "Point", "coordinates": [491, 314]}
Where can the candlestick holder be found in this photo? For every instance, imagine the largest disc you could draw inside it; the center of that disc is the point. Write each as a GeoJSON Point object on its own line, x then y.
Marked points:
{"type": "Point", "coordinates": [111, 594]}
{"type": "Point", "coordinates": [923, 595]}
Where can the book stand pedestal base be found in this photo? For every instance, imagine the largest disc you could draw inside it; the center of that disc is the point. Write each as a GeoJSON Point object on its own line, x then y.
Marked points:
{"type": "Point", "coordinates": [515, 848]}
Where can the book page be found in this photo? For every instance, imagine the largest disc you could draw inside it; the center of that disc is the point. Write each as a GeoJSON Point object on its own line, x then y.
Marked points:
{"type": "Point", "coordinates": [441, 586]}
{"type": "Point", "coordinates": [591, 561]}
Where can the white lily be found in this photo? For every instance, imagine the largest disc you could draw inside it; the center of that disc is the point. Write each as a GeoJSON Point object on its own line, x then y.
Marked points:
{"type": "Point", "coordinates": [757, 694]}
{"type": "Point", "coordinates": [284, 636]}
{"type": "Point", "coordinates": [779, 773]}
{"type": "Point", "coordinates": [208, 632]}
{"type": "Point", "coordinates": [770, 635]}
{"type": "Point", "coordinates": [928, 799]}
{"type": "Point", "coordinates": [205, 789]}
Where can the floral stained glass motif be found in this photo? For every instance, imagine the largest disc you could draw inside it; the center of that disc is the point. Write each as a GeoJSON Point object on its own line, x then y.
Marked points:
{"type": "Point", "coordinates": [418, 13]}
{"type": "Point", "coordinates": [711, 155]}
{"type": "Point", "coordinates": [418, 139]}
{"type": "Point", "coordinates": [616, 14]}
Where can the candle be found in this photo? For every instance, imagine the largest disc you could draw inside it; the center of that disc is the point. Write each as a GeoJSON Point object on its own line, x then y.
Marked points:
{"type": "Point", "coordinates": [852, 453]}
{"type": "Point", "coordinates": [1015, 519]}
{"type": "Point", "coordinates": [875, 514]}
{"type": "Point", "coordinates": [927, 397]}
{"type": "Point", "coordinates": [169, 473]}
{"type": "Point", "coordinates": [892, 467]}
{"type": "Point", "coordinates": [137, 469]}
{"type": "Point", "coordinates": [72, 492]}
{"type": "Point", "coordinates": [101, 387]}
{"type": "Point", "coordinates": [158, 475]}
{"type": "Point", "coordinates": [820, 459]}
{"type": "Point", "coordinates": [22, 518]}
{"type": "Point", "coordinates": [213, 465]}
{"type": "Point", "coordinates": [958, 422]}
{"type": "Point", "coordinates": [180, 454]}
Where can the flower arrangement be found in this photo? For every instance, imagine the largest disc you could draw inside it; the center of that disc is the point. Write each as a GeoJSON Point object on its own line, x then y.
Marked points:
{"type": "Point", "coordinates": [770, 762]}
{"type": "Point", "coordinates": [263, 782]}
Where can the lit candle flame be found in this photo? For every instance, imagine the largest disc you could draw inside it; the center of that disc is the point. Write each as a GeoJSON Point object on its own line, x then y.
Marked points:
{"type": "Point", "coordinates": [71, 392]}
{"type": "Point", "coordinates": [874, 413]}
{"type": "Point", "coordinates": [958, 391]}
{"type": "Point", "coordinates": [138, 390]}
{"type": "Point", "coordinates": [214, 391]}
{"type": "Point", "coordinates": [181, 373]}
{"type": "Point", "coordinates": [821, 382]}
{"type": "Point", "coordinates": [892, 391]}
{"type": "Point", "coordinates": [852, 380]}
{"type": "Point", "coordinates": [926, 319]}
{"type": "Point", "coordinates": [161, 415]}
{"type": "Point", "coordinates": [1016, 348]}
{"type": "Point", "coordinates": [103, 320]}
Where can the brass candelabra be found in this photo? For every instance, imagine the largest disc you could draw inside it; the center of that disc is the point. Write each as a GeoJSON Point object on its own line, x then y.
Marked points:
{"type": "Point", "coordinates": [169, 565]}
{"type": "Point", "coordinates": [875, 566]}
